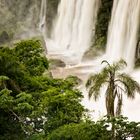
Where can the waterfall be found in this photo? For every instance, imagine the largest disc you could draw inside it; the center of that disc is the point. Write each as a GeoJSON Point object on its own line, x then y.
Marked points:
{"type": "Point", "coordinates": [42, 24]}
{"type": "Point", "coordinates": [71, 35]}
{"type": "Point", "coordinates": [123, 31]}
{"type": "Point", "coordinates": [73, 28]}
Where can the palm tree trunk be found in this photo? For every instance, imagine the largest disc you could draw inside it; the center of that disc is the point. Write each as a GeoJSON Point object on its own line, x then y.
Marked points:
{"type": "Point", "coordinates": [110, 101]}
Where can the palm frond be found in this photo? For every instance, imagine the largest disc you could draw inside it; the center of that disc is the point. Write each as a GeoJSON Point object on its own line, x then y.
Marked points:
{"type": "Point", "coordinates": [110, 74]}
{"type": "Point", "coordinates": [105, 61]}
{"type": "Point", "coordinates": [130, 85]}
{"type": "Point", "coordinates": [94, 92]}
{"type": "Point", "coordinates": [95, 82]}
{"type": "Point", "coordinates": [116, 66]}
{"type": "Point", "coordinates": [119, 65]}
{"type": "Point", "coordinates": [91, 80]}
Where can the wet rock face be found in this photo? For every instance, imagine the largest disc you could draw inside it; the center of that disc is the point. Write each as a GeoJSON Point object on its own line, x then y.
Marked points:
{"type": "Point", "coordinates": [20, 9]}
{"type": "Point", "coordinates": [18, 16]}
{"type": "Point", "coordinates": [103, 20]}
{"type": "Point", "coordinates": [4, 36]}
{"type": "Point", "coordinates": [138, 50]}
{"type": "Point", "coordinates": [54, 63]}
{"type": "Point", "coordinates": [52, 6]}
{"type": "Point", "coordinates": [100, 39]}
{"type": "Point", "coordinates": [22, 16]}
{"type": "Point", "coordinates": [137, 55]}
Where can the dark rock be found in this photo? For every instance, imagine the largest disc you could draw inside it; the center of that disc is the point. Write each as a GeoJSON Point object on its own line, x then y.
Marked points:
{"type": "Point", "coordinates": [4, 37]}
{"type": "Point", "coordinates": [53, 63]}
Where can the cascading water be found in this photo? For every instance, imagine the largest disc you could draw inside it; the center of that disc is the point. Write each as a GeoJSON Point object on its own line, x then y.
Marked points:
{"type": "Point", "coordinates": [42, 24]}
{"type": "Point", "coordinates": [71, 37]}
{"type": "Point", "coordinates": [73, 28]}
{"type": "Point", "coordinates": [122, 43]}
{"type": "Point", "coordinates": [123, 31]}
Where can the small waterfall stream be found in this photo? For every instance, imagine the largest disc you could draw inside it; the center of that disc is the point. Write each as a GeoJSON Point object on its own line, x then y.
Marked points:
{"type": "Point", "coordinates": [71, 36]}
{"type": "Point", "coordinates": [42, 24]}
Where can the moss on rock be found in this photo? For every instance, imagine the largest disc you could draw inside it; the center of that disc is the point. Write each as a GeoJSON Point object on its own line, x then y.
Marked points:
{"type": "Point", "coordinates": [102, 23]}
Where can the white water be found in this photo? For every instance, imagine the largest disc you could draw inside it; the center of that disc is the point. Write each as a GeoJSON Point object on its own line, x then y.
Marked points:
{"type": "Point", "coordinates": [123, 31]}
{"type": "Point", "coordinates": [71, 37]}
{"type": "Point", "coordinates": [122, 41]}
{"type": "Point", "coordinates": [42, 24]}
{"type": "Point", "coordinates": [73, 28]}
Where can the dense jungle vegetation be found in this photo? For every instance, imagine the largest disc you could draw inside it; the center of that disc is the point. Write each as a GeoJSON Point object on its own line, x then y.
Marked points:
{"type": "Point", "coordinates": [35, 106]}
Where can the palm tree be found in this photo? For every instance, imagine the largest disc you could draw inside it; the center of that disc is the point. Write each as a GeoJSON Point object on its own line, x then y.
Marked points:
{"type": "Point", "coordinates": [117, 83]}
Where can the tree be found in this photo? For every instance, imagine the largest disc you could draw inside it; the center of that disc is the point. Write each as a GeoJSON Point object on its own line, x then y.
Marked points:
{"type": "Point", "coordinates": [30, 53]}
{"type": "Point", "coordinates": [82, 131]}
{"type": "Point", "coordinates": [30, 101]}
{"type": "Point", "coordinates": [124, 129]}
{"type": "Point", "coordinates": [63, 105]}
{"type": "Point", "coordinates": [12, 68]}
{"type": "Point", "coordinates": [100, 130]}
{"type": "Point", "coordinates": [20, 93]}
{"type": "Point", "coordinates": [117, 83]}
{"type": "Point", "coordinates": [8, 122]}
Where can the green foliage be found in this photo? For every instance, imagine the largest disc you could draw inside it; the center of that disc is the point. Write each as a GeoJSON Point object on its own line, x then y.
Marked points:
{"type": "Point", "coordinates": [23, 101]}
{"type": "Point", "coordinates": [13, 69]}
{"type": "Point", "coordinates": [8, 122]}
{"type": "Point", "coordinates": [124, 129]}
{"type": "Point", "coordinates": [18, 103]}
{"type": "Point", "coordinates": [81, 131]}
{"type": "Point", "coordinates": [36, 107]}
{"type": "Point", "coordinates": [37, 136]}
{"type": "Point", "coordinates": [29, 99]}
{"type": "Point", "coordinates": [63, 105]}
{"type": "Point", "coordinates": [101, 130]}
{"type": "Point", "coordinates": [74, 80]}
{"type": "Point", "coordinates": [30, 53]}
{"type": "Point", "coordinates": [3, 79]}
{"type": "Point", "coordinates": [5, 99]}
